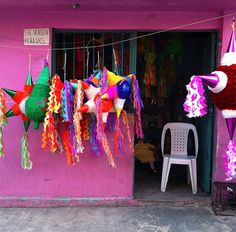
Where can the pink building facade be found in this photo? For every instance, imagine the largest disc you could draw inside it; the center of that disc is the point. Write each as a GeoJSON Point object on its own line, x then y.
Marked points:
{"type": "Point", "coordinates": [93, 178]}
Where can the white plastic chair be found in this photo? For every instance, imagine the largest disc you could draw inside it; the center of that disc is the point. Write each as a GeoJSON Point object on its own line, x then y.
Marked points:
{"type": "Point", "coordinates": [178, 155]}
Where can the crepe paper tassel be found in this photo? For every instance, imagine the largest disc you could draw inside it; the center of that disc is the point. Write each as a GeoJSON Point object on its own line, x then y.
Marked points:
{"type": "Point", "coordinates": [108, 151]}
{"type": "Point", "coordinates": [85, 127]}
{"type": "Point", "coordinates": [67, 145]}
{"type": "Point", "coordinates": [101, 135]}
{"type": "Point", "coordinates": [3, 119]}
{"type": "Point", "coordinates": [111, 121]}
{"type": "Point", "coordinates": [26, 163]}
{"type": "Point", "coordinates": [50, 134]}
{"type": "Point", "coordinates": [67, 102]}
{"type": "Point", "coordinates": [67, 110]}
{"type": "Point", "coordinates": [195, 103]}
{"type": "Point", "coordinates": [138, 105]}
{"type": "Point", "coordinates": [78, 101]}
{"type": "Point", "coordinates": [126, 123]}
{"type": "Point", "coordinates": [54, 104]}
{"type": "Point", "coordinates": [118, 138]}
{"type": "Point", "coordinates": [94, 142]}
{"type": "Point", "coordinates": [230, 161]}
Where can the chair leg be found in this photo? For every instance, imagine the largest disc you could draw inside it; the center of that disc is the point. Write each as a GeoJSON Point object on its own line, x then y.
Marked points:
{"type": "Point", "coordinates": [167, 174]}
{"type": "Point", "coordinates": [191, 176]}
{"type": "Point", "coordinates": [194, 168]}
{"type": "Point", "coordinates": [163, 176]}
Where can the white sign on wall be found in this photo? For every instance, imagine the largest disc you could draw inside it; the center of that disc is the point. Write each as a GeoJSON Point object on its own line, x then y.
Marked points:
{"type": "Point", "coordinates": [38, 36]}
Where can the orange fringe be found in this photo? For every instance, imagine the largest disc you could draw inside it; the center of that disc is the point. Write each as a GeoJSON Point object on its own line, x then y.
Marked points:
{"type": "Point", "coordinates": [66, 141]}
{"type": "Point", "coordinates": [126, 122]}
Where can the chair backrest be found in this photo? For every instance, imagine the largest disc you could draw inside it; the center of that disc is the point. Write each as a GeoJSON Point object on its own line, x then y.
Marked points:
{"type": "Point", "coordinates": [179, 137]}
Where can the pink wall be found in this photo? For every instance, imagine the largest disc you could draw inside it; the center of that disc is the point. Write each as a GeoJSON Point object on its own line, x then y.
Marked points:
{"type": "Point", "coordinates": [50, 176]}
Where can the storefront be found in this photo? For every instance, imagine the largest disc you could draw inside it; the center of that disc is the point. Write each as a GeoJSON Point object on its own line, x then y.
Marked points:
{"type": "Point", "coordinates": [50, 178]}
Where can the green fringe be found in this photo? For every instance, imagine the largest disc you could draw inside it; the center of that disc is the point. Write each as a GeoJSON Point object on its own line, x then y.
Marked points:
{"type": "Point", "coordinates": [25, 155]}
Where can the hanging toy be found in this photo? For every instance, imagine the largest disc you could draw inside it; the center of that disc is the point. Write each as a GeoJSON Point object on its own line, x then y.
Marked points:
{"type": "Point", "coordinates": [36, 104]}
{"type": "Point", "coordinates": [3, 119]}
{"type": "Point", "coordinates": [93, 94]}
{"type": "Point", "coordinates": [20, 98]}
{"type": "Point", "coordinates": [222, 84]}
{"type": "Point", "coordinates": [119, 93]}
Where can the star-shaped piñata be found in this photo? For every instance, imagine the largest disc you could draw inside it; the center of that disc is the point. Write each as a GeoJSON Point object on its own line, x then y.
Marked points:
{"type": "Point", "coordinates": [93, 93]}
{"type": "Point", "coordinates": [20, 97]}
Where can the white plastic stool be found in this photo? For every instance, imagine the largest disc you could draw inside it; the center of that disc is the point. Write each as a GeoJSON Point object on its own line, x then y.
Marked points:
{"type": "Point", "coordinates": [178, 155]}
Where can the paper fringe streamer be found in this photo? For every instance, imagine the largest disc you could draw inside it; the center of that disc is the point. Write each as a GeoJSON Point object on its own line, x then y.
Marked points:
{"type": "Point", "coordinates": [25, 155]}
{"type": "Point", "coordinates": [95, 143]}
{"type": "Point", "coordinates": [85, 127]}
{"type": "Point", "coordinates": [67, 146]}
{"type": "Point", "coordinates": [3, 119]}
{"type": "Point", "coordinates": [138, 105]}
{"type": "Point", "coordinates": [67, 102]}
{"type": "Point", "coordinates": [101, 136]}
{"type": "Point", "coordinates": [78, 101]}
{"type": "Point", "coordinates": [108, 151]}
{"type": "Point", "coordinates": [126, 123]}
{"type": "Point", "coordinates": [67, 114]}
{"type": "Point", "coordinates": [54, 105]}
{"type": "Point", "coordinates": [230, 164]}
{"type": "Point", "coordinates": [195, 103]}
{"type": "Point", "coordinates": [118, 138]}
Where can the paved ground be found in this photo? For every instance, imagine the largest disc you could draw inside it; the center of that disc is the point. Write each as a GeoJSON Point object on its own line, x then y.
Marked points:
{"type": "Point", "coordinates": [109, 219]}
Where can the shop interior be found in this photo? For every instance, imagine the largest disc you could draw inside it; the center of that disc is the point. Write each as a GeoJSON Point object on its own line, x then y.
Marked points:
{"type": "Point", "coordinates": [163, 64]}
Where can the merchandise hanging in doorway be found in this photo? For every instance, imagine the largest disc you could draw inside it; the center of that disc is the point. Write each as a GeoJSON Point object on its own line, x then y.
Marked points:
{"type": "Point", "coordinates": [76, 110]}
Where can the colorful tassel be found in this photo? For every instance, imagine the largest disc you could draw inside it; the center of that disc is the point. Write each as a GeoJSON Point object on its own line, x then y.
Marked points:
{"type": "Point", "coordinates": [85, 127]}
{"type": "Point", "coordinates": [67, 114]}
{"type": "Point", "coordinates": [138, 105]}
{"type": "Point", "coordinates": [26, 163]}
{"type": "Point", "coordinates": [95, 143]}
{"type": "Point", "coordinates": [101, 135]}
{"type": "Point", "coordinates": [67, 145]}
{"type": "Point", "coordinates": [195, 103]}
{"type": "Point", "coordinates": [230, 162]}
{"type": "Point", "coordinates": [78, 101]}
{"type": "Point", "coordinates": [126, 123]}
{"type": "Point", "coordinates": [50, 134]}
{"type": "Point", "coordinates": [118, 138]}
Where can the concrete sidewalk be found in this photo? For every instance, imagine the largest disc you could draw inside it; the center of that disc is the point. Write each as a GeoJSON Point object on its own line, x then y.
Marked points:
{"type": "Point", "coordinates": [109, 219]}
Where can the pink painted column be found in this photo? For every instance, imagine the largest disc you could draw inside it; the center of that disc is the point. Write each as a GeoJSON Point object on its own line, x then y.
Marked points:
{"type": "Point", "coordinates": [222, 136]}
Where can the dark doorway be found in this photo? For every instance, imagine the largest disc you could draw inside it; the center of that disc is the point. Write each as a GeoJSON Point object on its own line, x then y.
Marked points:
{"type": "Point", "coordinates": [165, 63]}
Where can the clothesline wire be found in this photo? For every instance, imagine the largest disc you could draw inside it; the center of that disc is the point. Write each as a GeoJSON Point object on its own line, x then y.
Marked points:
{"type": "Point", "coordinates": [124, 40]}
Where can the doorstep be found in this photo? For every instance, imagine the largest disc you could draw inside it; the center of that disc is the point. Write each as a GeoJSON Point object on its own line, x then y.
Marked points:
{"type": "Point", "coordinates": [38, 202]}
